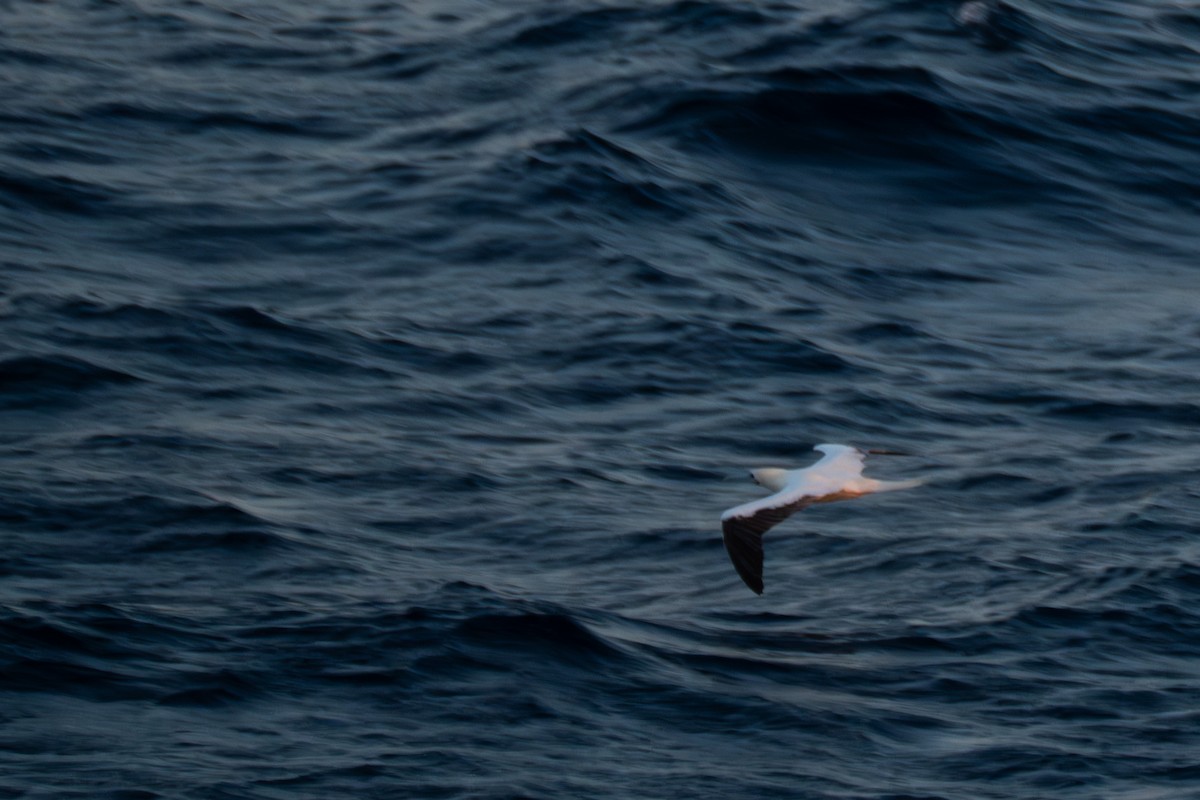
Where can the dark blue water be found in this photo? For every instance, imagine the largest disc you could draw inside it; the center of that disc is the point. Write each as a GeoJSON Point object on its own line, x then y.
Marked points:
{"type": "Point", "coordinates": [373, 376]}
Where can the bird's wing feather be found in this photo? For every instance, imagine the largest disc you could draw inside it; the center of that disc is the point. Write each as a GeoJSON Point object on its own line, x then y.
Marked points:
{"type": "Point", "coordinates": [796, 491]}
{"type": "Point", "coordinates": [839, 465]}
{"type": "Point", "coordinates": [743, 528]}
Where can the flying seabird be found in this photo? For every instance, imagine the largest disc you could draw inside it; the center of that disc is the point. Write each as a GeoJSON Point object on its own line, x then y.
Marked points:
{"type": "Point", "coordinates": [837, 476]}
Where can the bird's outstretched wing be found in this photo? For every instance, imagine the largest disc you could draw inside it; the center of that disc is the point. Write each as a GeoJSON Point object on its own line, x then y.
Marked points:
{"type": "Point", "coordinates": [743, 528]}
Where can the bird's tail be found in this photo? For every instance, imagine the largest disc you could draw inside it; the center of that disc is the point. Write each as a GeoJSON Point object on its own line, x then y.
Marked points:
{"type": "Point", "coordinates": [892, 486]}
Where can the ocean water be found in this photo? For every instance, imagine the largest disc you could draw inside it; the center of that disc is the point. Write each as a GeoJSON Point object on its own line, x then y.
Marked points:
{"type": "Point", "coordinates": [373, 375]}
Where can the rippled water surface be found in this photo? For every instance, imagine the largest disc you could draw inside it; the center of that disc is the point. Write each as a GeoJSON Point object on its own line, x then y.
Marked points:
{"type": "Point", "coordinates": [373, 376]}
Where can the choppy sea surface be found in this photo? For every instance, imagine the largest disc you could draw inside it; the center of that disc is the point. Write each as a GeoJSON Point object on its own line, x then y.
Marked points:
{"type": "Point", "coordinates": [373, 375]}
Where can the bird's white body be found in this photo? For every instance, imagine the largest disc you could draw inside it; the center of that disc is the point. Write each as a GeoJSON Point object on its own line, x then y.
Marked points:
{"type": "Point", "coordinates": [837, 476]}
{"type": "Point", "coordinates": [839, 472]}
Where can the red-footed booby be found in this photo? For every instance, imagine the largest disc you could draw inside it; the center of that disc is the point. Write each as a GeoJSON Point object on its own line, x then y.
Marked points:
{"type": "Point", "coordinates": [837, 476]}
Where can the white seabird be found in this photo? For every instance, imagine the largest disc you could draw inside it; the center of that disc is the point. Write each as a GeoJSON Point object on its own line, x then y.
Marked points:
{"type": "Point", "coordinates": [837, 476]}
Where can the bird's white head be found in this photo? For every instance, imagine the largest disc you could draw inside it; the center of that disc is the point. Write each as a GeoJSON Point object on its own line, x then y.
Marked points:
{"type": "Point", "coordinates": [770, 477]}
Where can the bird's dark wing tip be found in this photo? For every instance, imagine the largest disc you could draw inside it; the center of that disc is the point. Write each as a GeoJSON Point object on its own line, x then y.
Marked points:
{"type": "Point", "coordinates": [744, 545]}
{"type": "Point", "coordinates": [743, 539]}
